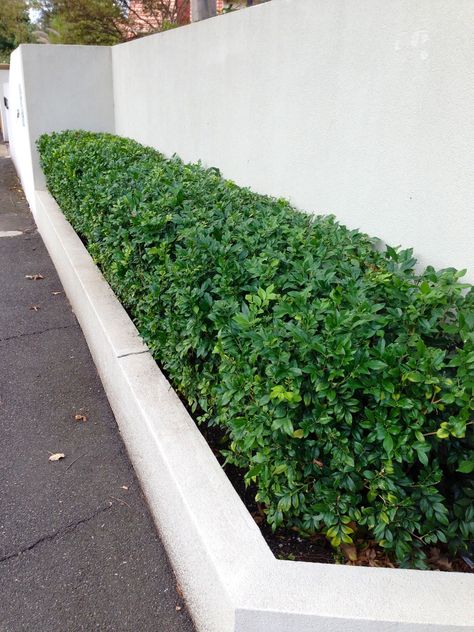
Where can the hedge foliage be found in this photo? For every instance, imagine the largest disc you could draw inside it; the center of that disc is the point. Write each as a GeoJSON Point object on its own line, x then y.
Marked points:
{"type": "Point", "coordinates": [343, 378]}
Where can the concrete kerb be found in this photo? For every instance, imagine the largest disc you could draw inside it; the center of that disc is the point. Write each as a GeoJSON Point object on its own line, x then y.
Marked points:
{"type": "Point", "coordinates": [231, 580]}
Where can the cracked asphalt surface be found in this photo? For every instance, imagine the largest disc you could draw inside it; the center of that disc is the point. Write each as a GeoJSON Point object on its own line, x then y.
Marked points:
{"type": "Point", "coordinates": [78, 547]}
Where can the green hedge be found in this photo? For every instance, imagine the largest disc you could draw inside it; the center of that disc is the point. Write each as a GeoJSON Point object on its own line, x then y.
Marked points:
{"type": "Point", "coordinates": [343, 378]}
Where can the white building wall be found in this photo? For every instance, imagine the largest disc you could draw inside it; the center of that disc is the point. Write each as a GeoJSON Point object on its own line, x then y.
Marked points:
{"type": "Point", "coordinates": [362, 109]}
{"type": "Point", "coordinates": [4, 72]}
{"type": "Point", "coordinates": [53, 88]}
{"type": "Point", "coordinates": [18, 129]}
{"type": "Point", "coordinates": [4, 93]}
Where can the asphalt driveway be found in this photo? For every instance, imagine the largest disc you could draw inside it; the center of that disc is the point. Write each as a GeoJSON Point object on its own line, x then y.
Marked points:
{"type": "Point", "coordinates": [78, 547]}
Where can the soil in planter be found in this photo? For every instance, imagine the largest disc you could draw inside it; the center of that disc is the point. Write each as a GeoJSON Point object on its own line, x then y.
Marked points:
{"type": "Point", "coordinates": [286, 544]}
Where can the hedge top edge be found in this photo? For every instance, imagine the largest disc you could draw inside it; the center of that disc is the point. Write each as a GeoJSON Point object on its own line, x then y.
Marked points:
{"type": "Point", "coordinates": [343, 378]}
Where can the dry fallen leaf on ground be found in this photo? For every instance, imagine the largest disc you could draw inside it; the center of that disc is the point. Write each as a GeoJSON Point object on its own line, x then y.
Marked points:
{"type": "Point", "coordinates": [437, 560]}
{"type": "Point", "coordinates": [80, 417]}
{"type": "Point", "coordinates": [349, 551]}
{"type": "Point", "coordinates": [34, 277]}
{"type": "Point", "coordinates": [57, 456]}
{"type": "Point", "coordinates": [257, 517]}
{"type": "Point", "coordinates": [372, 556]}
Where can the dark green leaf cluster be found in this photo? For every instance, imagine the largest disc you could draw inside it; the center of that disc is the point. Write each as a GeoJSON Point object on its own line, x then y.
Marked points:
{"type": "Point", "coordinates": [343, 377]}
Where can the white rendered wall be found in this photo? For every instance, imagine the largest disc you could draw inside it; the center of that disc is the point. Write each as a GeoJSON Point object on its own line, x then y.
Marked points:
{"type": "Point", "coordinates": [359, 108]}
{"type": "Point", "coordinates": [4, 72]}
{"type": "Point", "coordinates": [18, 130]}
{"type": "Point", "coordinates": [53, 88]}
{"type": "Point", "coordinates": [5, 92]}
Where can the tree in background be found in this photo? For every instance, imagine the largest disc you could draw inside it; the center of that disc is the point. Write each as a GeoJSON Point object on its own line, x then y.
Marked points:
{"type": "Point", "coordinates": [78, 22]}
{"type": "Point", "coordinates": [145, 16]}
{"type": "Point", "coordinates": [106, 21]}
{"type": "Point", "coordinates": [103, 22]}
{"type": "Point", "coordinates": [15, 26]}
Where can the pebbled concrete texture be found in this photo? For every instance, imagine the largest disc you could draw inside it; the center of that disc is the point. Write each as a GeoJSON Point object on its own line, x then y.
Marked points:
{"type": "Point", "coordinates": [78, 547]}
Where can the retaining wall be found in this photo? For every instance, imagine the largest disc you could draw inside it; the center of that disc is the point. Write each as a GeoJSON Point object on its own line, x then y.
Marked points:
{"type": "Point", "coordinates": [53, 88]}
{"type": "Point", "coordinates": [362, 109]}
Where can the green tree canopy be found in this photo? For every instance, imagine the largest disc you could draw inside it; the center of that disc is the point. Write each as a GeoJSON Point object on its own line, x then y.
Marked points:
{"type": "Point", "coordinates": [105, 21]}
{"type": "Point", "coordinates": [79, 22]}
{"type": "Point", "coordinates": [15, 26]}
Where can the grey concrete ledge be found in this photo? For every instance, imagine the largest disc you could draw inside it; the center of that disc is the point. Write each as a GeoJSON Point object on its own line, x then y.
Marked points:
{"type": "Point", "coordinates": [230, 578]}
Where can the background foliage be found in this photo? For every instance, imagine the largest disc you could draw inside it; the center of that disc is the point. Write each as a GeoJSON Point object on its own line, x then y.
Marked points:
{"type": "Point", "coordinates": [105, 22]}
{"type": "Point", "coordinates": [15, 26]}
{"type": "Point", "coordinates": [343, 378]}
{"type": "Point", "coordinates": [95, 22]}
{"type": "Point", "coordinates": [90, 22]}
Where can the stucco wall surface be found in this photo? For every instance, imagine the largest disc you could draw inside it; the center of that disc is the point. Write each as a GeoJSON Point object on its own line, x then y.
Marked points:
{"type": "Point", "coordinates": [362, 109]}
{"type": "Point", "coordinates": [4, 72]}
{"type": "Point", "coordinates": [18, 130]}
{"type": "Point", "coordinates": [53, 88]}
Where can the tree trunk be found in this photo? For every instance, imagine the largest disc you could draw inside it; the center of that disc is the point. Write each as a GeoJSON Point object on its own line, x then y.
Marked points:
{"type": "Point", "coordinates": [203, 9]}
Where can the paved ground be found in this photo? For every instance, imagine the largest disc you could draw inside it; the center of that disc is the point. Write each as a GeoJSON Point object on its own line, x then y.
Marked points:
{"type": "Point", "coordinates": [78, 548]}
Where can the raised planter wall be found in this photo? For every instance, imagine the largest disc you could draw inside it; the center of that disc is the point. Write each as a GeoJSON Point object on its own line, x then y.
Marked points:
{"type": "Point", "coordinates": [230, 578]}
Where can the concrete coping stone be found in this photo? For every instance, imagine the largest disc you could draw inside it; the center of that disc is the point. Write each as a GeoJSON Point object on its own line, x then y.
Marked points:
{"type": "Point", "coordinates": [230, 579]}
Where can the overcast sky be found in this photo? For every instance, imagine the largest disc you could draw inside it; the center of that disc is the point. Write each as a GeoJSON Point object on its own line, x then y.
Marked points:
{"type": "Point", "coordinates": [34, 14]}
